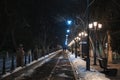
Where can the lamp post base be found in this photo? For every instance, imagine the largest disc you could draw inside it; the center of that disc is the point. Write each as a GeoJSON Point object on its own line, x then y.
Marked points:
{"type": "Point", "coordinates": [88, 64]}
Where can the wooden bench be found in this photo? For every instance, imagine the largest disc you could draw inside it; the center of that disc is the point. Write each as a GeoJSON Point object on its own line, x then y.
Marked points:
{"type": "Point", "coordinates": [106, 70]}
{"type": "Point", "coordinates": [103, 63]}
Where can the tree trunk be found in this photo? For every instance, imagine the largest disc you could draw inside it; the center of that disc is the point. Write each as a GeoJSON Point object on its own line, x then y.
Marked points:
{"type": "Point", "coordinates": [109, 48]}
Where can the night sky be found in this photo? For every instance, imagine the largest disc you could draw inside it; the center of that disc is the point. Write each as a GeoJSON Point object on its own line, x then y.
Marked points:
{"type": "Point", "coordinates": [40, 21]}
{"type": "Point", "coordinates": [57, 12]}
{"type": "Point", "coordinates": [44, 21]}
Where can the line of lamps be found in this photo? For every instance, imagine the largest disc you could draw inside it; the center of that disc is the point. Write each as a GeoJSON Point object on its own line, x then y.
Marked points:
{"type": "Point", "coordinates": [95, 26]}
{"type": "Point", "coordinates": [79, 39]}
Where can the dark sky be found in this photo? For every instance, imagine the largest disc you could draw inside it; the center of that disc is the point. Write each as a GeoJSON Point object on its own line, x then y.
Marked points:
{"type": "Point", "coordinates": [51, 15]}
{"type": "Point", "coordinates": [25, 16]}
{"type": "Point", "coordinates": [56, 12]}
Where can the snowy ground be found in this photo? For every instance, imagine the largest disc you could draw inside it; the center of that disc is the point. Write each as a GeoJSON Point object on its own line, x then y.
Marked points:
{"type": "Point", "coordinates": [80, 69]}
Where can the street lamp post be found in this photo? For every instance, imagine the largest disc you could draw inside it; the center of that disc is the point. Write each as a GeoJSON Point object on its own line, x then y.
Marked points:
{"type": "Point", "coordinates": [79, 39]}
{"type": "Point", "coordinates": [82, 35]}
{"type": "Point", "coordinates": [88, 57]}
{"type": "Point", "coordinates": [75, 48]}
{"type": "Point", "coordinates": [76, 40]}
{"type": "Point", "coordinates": [95, 26]}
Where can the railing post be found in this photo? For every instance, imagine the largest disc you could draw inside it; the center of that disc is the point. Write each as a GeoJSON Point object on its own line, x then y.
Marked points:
{"type": "Point", "coordinates": [32, 56]}
{"type": "Point", "coordinates": [12, 63]}
{"type": "Point", "coordinates": [29, 58]}
{"type": "Point", "coordinates": [25, 58]}
{"type": "Point", "coordinates": [3, 67]}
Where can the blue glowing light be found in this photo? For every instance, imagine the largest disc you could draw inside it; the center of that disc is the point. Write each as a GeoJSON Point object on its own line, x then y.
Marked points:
{"type": "Point", "coordinates": [69, 22]}
{"type": "Point", "coordinates": [68, 31]}
{"type": "Point", "coordinates": [66, 35]}
{"type": "Point", "coordinates": [66, 42]}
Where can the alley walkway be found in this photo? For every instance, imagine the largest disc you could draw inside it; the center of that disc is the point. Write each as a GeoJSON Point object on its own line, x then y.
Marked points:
{"type": "Point", "coordinates": [58, 68]}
